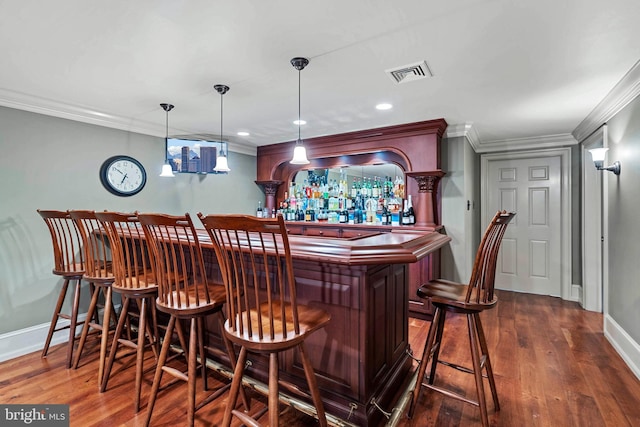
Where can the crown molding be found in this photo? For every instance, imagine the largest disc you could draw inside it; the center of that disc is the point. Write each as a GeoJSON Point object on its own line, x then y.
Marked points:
{"type": "Point", "coordinates": [625, 91]}
{"type": "Point", "coordinates": [48, 107]}
{"type": "Point", "coordinates": [34, 104]}
{"type": "Point", "coordinates": [529, 143]}
{"type": "Point", "coordinates": [467, 130]}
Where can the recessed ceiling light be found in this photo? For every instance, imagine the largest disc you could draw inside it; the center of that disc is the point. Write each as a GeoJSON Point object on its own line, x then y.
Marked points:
{"type": "Point", "coordinates": [241, 133]}
{"type": "Point", "coordinates": [384, 106]}
{"type": "Point", "coordinates": [299, 122]}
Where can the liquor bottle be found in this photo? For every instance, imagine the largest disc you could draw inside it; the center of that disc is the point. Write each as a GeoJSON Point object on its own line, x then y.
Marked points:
{"type": "Point", "coordinates": [273, 212]}
{"type": "Point", "coordinates": [357, 215]}
{"type": "Point", "coordinates": [293, 202]}
{"type": "Point", "coordinates": [386, 216]}
{"type": "Point", "coordinates": [259, 212]}
{"type": "Point", "coordinates": [375, 190]}
{"type": "Point", "coordinates": [405, 215]}
{"type": "Point", "coordinates": [343, 217]}
{"type": "Point", "coordinates": [412, 215]}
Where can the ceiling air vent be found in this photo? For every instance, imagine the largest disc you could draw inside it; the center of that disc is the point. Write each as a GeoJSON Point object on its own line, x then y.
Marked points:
{"type": "Point", "coordinates": [409, 73]}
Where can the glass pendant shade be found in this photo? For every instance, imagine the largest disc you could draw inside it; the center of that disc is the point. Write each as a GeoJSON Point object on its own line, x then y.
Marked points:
{"type": "Point", "coordinates": [167, 172]}
{"type": "Point", "coordinates": [299, 155]}
{"type": "Point", "coordinates": [221, 163]}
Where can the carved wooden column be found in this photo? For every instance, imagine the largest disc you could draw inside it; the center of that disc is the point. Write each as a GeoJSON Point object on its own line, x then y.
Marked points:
{"type": "Point", "coordinates": [270, 189]}
{"type": "Point", "coordinates": [427, 205]}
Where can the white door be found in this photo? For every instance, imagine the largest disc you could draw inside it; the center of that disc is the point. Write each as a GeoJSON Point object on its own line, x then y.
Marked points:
{"type": "Point", "coordinates": [530, 256]}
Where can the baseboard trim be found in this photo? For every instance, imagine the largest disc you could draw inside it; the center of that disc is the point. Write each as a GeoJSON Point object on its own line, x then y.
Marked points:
{"type": "Point", "coordinates": [622, 342]}
{"type": "Point", "coordinates": [576, 294]}
{"type": "Point", "coordinates": [24, 341]}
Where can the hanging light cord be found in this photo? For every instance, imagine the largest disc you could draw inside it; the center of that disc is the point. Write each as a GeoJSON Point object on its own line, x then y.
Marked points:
{"type": "Point", "coordinates": [166, 138]}
{"type": "Point", "coordinates": [222, 153]}
{"type": "Point", "coordinates": [299, 123]}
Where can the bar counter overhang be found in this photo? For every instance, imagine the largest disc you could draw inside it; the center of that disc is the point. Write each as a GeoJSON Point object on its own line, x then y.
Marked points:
{"type": "Point", "coordinates": [361, 356]}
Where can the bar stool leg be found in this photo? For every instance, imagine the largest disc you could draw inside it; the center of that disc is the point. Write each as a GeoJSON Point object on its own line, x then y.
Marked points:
{"type": "Point", "coordinates": [56, 315]}
{"type": "Point", "coordinates": [142, 333]}
{"type": "Point", "coordinates": [73, 323]}
{"type": "Point", "coordinates": [487, 363]}
{"type": "Point", "coordinates": [104, 339]}
{"type": "Point", "coordinates": [477, 369]}
{"type": "Point", "coordinates": [313, 386]}
{"type": "Point", "coordinates": [274, 413]}
{"type": "Point", "coordinates": [87, 326]}
{"type": "Point", "coordinates": [191, 372]}
{"type": "Point", "coordinates": [166, 344]}
{"type": "Point", "coordinates": [114, 344]}
{"type": "Point", "coordinates": [437, 345]}
{"type": "Point", "coordinates": [422, 367]}
{"type": "Point", "coordinates": [236, 383]}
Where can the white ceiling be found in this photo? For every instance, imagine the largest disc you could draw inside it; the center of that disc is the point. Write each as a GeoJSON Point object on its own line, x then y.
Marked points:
{"type": "Point", "coordinates": [508, 69]}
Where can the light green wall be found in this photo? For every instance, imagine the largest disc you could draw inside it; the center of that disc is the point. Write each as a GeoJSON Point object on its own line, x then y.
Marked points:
{"type": "Point", "coordinates": [460, 184]}
{"type": "Point", "coordinates": [624, 229]}
{"type": "Point", "coordinates": [53, 163]}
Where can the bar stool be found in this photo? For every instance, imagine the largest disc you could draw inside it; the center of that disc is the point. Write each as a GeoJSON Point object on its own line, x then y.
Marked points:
{"type": "Point", "coordinates": [185, 293]}
{"type": "Point", "coordinates": [99, 272]}
{"type": "Point", "coordinates": [69, 263]}
{"type": "Point", "coordinates": [134, 281]}
{"type": "Point", "coordinates": [255, 260]}
{"type": "Point", "coordinates": [468, 299]}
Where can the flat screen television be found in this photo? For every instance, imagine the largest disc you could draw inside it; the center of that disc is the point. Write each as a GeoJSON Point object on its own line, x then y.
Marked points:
{"type": "Point", "coordinates": [193, 155]}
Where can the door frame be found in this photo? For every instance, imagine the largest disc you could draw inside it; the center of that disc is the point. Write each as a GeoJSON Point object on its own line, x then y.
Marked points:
{"type": "Point", "coordinates": [567, 290]}
{"type": "Point", "coordinates": [593, 288]}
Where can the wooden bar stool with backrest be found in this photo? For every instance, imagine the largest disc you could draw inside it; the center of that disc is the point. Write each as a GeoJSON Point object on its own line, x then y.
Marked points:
{"type": "Point", "coordinates": [468, 299]}
{"type": "Point", "coordinates": [254, 254]}
{"type": "Point", "coordinates": [185, 293]}
{"type": "Point", "coordinates": [134, 281]}
{"type": "Point", "coordinates": [68, 262]}
{"type": "Point", "coordinates": [99, 271]}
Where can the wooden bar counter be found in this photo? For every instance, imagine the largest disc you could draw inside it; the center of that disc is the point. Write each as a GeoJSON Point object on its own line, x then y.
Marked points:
{"type": "Point", "coordinates": [359, 274]}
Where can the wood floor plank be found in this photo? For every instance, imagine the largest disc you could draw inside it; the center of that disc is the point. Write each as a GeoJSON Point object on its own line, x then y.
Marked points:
{"type": "Point", "coordinates": [552, 363]}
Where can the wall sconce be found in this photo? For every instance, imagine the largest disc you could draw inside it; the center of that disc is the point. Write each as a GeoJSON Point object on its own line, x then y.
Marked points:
{"type": "Point", "coordinates": [598, 155]}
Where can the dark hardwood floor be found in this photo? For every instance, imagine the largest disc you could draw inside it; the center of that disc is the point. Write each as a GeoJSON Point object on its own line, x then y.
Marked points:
{"type": "Point", "coordinates": [552, 364]}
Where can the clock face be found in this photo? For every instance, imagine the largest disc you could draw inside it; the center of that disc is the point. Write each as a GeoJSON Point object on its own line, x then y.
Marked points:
{"type": "Point", "coordinates": [123, 175]}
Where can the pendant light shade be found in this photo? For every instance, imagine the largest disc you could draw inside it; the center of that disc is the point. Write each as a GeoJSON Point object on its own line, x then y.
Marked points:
{"type": "Point", "coordinates": [299, 155]}
{"type": "Point", "coordinates": [299, 152]}
{"type": "Point", "coordinates": [221, 161]}
{"type": "Point", "coordinates": [167, 172]}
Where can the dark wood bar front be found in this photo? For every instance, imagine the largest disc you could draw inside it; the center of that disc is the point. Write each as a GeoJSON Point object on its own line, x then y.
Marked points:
{"type": "Point", "coordinates": [362, 281]}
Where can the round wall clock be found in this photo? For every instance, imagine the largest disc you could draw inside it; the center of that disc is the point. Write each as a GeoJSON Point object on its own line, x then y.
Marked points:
{"type": "Point", "coordinates": [123, 175]}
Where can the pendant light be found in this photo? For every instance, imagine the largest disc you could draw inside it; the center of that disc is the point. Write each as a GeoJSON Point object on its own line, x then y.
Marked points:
{"type": "Point", "coordinates": [299, 152]}
{"type": "Point", "coordinates": [166, 168]}
{"type": "Point", "coordinates": [221, 160]}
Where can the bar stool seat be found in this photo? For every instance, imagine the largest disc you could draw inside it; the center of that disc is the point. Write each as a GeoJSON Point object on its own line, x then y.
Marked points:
{"type": "Point", "coordinates": [185, 292]}
{"type": "Point", "coordinates": [99, 273]}
{"type": "Point", "coordinates": [470, 300]}
{"type": "Point", "coordinates": [136, 282]}
{"type": "Point", "coordinates": [69, 263]}
{"type": "Point", "coordinates": [254, 258]}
